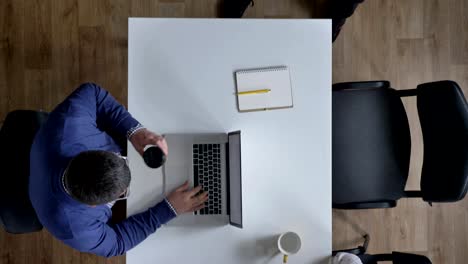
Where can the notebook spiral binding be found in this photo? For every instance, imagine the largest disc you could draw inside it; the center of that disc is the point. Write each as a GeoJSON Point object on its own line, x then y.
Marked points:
{"type": "Point", "coordinates": [266, 69]}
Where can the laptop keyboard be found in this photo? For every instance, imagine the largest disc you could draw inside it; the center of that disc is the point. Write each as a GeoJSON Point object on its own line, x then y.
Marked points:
{"type": "Point", "coordinates": [207, 173]}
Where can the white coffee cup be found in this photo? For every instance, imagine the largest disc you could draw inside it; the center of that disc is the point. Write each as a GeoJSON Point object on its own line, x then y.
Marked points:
{"type": "Point", "coordinates": [289, 243]}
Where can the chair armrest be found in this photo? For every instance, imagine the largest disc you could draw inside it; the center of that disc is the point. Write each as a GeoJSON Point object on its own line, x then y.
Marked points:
{"type": "Point", "coordinates": [402, 258]}
{"type": "Point", "coordinates": [355, 251]}
{"type": "Point", "coordinates": [366, 205]}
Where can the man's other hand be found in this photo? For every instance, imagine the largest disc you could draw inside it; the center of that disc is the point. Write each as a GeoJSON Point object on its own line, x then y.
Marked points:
{"type": "Point", "coordinates": [144, 137]}
{"type": "Point", "coordinates": [185, 200]}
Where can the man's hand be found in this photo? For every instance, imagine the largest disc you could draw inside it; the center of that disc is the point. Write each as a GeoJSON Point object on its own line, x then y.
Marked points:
{"type": "Point", "coordinates": [144, 137]}
{"type": "Point", "coordinates": [184, 200]}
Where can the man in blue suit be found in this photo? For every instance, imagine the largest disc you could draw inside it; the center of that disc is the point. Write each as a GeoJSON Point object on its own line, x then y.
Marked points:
{"type": "Point", "coordinates": [77, 174]}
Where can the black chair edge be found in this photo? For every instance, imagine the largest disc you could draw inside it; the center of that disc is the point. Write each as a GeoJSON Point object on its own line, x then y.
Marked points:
{"type": "Point", "coordinates": [366, 205]}
{"type": "Point", "coordinates": [361, 85]}
{"type": "Point", "coordinates": [20, 217]}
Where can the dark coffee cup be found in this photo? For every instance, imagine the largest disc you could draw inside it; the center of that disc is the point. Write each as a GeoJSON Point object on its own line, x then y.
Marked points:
{"type": "Point", "coordinates": [154, 157]}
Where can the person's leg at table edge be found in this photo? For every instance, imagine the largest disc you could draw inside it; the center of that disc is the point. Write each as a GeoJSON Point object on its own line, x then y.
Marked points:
{"type": "Point", "coordinates": [341, 10]}
{"type": "Point", "coordinates": [233, 8]}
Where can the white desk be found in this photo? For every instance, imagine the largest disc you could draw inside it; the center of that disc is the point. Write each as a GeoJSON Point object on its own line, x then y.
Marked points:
{"type": "Point", "coordinates": [180, 79]}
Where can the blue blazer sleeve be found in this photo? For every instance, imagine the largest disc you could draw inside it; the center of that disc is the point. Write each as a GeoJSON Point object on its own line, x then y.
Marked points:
{"type": "Point", "coordinates": [109, 240]}
{"type": "Point", "coordinates": [95, 109]}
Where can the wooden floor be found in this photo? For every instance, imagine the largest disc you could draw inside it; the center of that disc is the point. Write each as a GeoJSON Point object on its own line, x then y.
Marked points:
{"type": "Point", "coordinates": [407, 42]}
{"type": "Point", "coordinates": [48, 47]}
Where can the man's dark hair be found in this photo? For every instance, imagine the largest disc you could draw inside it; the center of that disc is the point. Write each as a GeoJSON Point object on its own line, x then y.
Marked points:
{"type": "Point", "coordinates": [97, 177]}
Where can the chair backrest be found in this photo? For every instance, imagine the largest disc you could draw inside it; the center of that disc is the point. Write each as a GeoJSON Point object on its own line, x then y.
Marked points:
{"type": "Point", "coordinates": [443, 113]}
{"type": "Point", "coordinates": [16, 136]}
{"type": "Point", "coordinates": [371, 145]}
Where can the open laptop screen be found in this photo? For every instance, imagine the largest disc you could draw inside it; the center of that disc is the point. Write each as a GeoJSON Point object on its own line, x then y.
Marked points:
{"type": "Point", "coordinates": [235, 179]}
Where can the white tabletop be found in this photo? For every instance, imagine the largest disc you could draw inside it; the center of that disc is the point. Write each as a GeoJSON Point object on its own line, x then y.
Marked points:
{"type": "Point", "coordinates": [180, 79]}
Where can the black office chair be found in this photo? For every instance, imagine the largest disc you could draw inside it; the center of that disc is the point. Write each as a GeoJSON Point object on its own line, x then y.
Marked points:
{"type": "Point", "coordinates": [16, 136]}
{"type": "Point", "coordinates": [371, 144]}
{"type": "Point", "coordinates": [395, 257]}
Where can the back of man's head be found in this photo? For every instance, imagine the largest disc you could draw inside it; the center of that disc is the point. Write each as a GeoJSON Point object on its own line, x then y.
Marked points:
{"type": "Point", "coordinates": [97, 177]}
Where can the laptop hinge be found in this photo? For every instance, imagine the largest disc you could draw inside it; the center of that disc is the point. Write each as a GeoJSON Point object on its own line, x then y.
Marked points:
{"type": "Point", "coordinates": [228, 189]}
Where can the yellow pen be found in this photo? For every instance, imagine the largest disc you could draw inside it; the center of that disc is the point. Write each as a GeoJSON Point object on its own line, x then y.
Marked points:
{"type": "Point", "coordinates": [262, 91]}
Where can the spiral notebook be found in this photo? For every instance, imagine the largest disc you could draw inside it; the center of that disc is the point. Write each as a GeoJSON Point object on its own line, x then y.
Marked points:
{"type": "Point", "coordinates": [264, 89]}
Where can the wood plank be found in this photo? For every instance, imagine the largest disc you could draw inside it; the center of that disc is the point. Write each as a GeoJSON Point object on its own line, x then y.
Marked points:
{"type": "Point", "coordinates": [91, 259]}
{"type": "Point", "coordinates": [461, 230]}
{"type": "Point", "coordinates": [408, 18]}
{"type": "Point", "coordinates": [93, 13]}
{"type": "Point", "coordinates": [66, 52]}
{"type": "Point", "coordinates": [16, 249]}
{"type": "Point", "coordinates": [437, 37]}
{"type": "Point", "coordinates": [197, 8]}
{"type": "Point", "coordinates": [39, 91]}
{"type": "Point", "coordinates": [171, 9]}
{"type": "Point", "coordinates": [38, 244]}
{"type": "Point", "coordinates": [441, 224]}
{"type": "Point", "coordinates": [38, 47]}
{"type": "Point", "coordinates": [61, 253]}
{"type": "Point", "coordinates": [408, 226]}
{"type": "Point", "coordinates": [11, 56]}
{"type": "Point", "coordinates": [338, 61]}
{"type": "Point", "coordinates": [382, 62]}
{"type": "Point", "coordinates": [144, 8]}
{"type": "Point", "coordinates": [116, 61]}
{"type": "Point", "coordinates": [458, 23]}
{"type": "Point", "coordinates": [459, 74]}
{"type": "Point", "coordinates": [116, 260]}
{"type": "Point", "coordinates": [417, 144]}
{"type": "Point", "coordinates": [92, 50]}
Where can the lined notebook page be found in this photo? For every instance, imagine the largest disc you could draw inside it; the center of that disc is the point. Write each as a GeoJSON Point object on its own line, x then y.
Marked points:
{"type": "Point", "coordinates": [276, 79]}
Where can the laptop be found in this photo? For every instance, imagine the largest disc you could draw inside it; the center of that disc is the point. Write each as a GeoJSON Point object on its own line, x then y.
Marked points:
{"type": "Point", "coordinates": [214, 162]}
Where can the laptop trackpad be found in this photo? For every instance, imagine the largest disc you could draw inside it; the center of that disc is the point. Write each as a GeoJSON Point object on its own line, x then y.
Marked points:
{"type": "Point", "coordinates": [175, 176]}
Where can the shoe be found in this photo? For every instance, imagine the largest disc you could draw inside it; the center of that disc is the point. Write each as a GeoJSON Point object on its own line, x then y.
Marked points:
{"type": "Point", "coordinates": [234, 8]}
{"type": "Point", "coordinates": [337, 24]}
